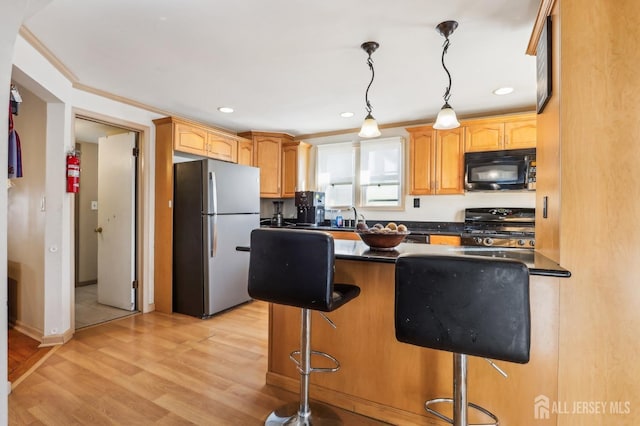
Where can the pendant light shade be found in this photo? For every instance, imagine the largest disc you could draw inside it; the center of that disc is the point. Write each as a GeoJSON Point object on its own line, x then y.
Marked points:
{"type": "Point", "coordinates": [447, 116]}
{"type": "Point", "coordinates": [369, 126]}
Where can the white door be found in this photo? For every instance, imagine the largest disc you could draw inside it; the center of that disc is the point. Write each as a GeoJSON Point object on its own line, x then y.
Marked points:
{"type": "Point", "coordinates": [116, 220]}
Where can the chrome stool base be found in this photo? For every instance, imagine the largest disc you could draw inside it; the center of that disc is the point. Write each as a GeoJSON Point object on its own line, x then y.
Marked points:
{"type": "Point", "coordinates": [470, 405]}
{"type": "Point", "coordinates": [459, 400]}
{"type": "Point", "coordinates": [320, 415]}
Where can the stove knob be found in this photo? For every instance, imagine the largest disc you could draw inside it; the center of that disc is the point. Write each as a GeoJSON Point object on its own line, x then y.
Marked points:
{"type": "Point", "coordinates": [488, 241]}
{"type": "Point", "coordinates": [478, 240]}
{"type": "Point", "coordinates": [532, 243]}
{"type": "Point", "coordinates": [521, 242]}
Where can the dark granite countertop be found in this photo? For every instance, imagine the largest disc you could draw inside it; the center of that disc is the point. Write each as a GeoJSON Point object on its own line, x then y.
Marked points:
{"type": "Point", "coordinates": [416, 228]}
{"type": "Point", "coordinates": [536, 262]}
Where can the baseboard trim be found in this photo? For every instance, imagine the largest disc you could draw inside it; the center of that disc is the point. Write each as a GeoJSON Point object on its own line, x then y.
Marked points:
{"type": "Point", "coordinates": [57, 339]}
{"type": "Point", "coordinates": [27, 330]}
{"type": "Point", "coordinates": [86, 283]}
{"type": "Point", "coordinates": [351, 403]}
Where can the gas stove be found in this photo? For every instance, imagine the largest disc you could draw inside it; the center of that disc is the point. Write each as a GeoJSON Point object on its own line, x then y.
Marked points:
{"type": "Point", "coordinates": [499, 227]}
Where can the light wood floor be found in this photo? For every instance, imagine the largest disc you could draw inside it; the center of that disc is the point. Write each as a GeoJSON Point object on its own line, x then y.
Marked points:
{"type": "Point", "coordinates": [158, 369]}
{"type": "Point", "coordinates": [23, 353]}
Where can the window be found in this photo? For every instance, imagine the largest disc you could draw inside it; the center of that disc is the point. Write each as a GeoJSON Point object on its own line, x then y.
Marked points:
{"type": "Point", "coordinates": [381, 173]}
{"type": "Point", "coordinates": [369, 174]}
{"type": "Point", "coordinates": [335, 174]}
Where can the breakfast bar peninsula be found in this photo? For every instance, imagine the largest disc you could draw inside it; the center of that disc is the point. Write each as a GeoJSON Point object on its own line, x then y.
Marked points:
{"type": "Point", "coordinates": [388, 380]}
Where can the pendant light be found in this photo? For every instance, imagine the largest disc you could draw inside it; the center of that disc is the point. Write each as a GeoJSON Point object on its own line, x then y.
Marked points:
{"type": "Point", "coordinates": [369, 126]}
{"type": "Point", "coordinates": [447, 116]}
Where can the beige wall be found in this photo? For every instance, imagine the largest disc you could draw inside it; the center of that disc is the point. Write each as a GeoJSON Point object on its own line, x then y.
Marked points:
{"type": "Point", "coordinates": [87, 219]}
{"type": "Point", "coordinates": [25, 218]}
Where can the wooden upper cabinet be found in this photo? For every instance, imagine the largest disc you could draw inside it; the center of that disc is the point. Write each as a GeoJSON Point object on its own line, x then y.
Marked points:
{"type": "Point", "coordinates": [222, 147]}
{"type": "Point", "coordinates": [245, 152]}
{"type": "Point", "coordinates": [421, 160]}
{"type": "Point", "coordinates": [436, 161]}
{"type": "Point", "coordinates": [289, 169]}
{"type": "Point", "coordinates": [190, 139]}
{"type": "Point", "coordinates": [267, 157]}
{"type": "Point", "coordinates": [278, 157]}
{"type": "Point", "coordinates": [510, 132]}
{"type": "Point", "coordinates": [295, 168]}
{"type": "Point", "coordinates": [520, 134]}
{"type": "Point", "coordinates": [200, 140]}
{"type": "Point", "coordinates": [449, 166]}
{"type": "Point", "coordinates": [487, 136]}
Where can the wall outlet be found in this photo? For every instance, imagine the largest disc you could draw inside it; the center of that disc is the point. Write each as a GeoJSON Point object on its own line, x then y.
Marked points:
{"type": "Point", "coordinates": [416, 203]}
{"type": "Point", "coordinates": [94, 205]}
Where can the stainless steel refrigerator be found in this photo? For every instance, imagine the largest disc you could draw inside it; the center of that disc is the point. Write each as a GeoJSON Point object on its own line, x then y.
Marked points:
{"type": "Point", "coordinates": [216, 205]}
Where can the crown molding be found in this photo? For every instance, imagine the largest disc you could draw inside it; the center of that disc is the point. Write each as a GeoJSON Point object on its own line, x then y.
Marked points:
{"type": "Point", "coordinates": [543, 12]}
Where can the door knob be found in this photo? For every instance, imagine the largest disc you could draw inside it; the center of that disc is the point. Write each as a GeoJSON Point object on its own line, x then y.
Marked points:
{"type": "Point", "coordinates": [98, 230]}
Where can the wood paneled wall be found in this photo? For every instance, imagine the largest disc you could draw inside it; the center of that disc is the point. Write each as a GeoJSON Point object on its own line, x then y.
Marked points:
{"type": "Point", "coordinates": [597, 96]}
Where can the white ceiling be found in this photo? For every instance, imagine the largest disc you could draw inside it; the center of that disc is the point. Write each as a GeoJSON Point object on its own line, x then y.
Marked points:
{"type": "Point", "coordinates": [295, 65]}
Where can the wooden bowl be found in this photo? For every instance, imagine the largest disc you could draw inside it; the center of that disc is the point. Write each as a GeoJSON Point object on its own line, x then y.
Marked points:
{"type": "Point", "coordinates": [382, 241]}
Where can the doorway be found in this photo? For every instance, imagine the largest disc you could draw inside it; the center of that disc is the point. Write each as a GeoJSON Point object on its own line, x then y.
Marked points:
{"type": "Point", "coordinates": [105, 222]}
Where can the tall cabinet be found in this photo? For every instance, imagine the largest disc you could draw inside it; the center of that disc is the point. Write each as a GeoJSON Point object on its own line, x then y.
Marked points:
{"type": "Point", "coordinates": [179, 135]}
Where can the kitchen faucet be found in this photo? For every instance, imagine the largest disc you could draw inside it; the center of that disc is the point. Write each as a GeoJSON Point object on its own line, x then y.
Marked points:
{"type": "Point", "coordinates": [355, 216]}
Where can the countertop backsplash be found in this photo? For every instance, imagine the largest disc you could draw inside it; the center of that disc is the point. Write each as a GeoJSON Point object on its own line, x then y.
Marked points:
{"type": "Point", "coordinates": [433, 208]}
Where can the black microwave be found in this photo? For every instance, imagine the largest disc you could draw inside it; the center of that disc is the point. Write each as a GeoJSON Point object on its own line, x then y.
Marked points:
{"type": "Point", "coordinates": [513, 169]}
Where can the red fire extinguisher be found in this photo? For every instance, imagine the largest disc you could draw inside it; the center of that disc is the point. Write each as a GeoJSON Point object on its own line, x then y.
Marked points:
{"type": "Point", "coordinates": [73, 172]}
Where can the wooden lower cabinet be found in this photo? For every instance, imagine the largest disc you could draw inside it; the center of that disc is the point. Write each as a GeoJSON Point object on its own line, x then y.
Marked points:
{"type": "Point", "coordinates": [448, 240]}
{"type": "Point", "coordinates": [388, 380]}
{"type": "Point", "coordinates": [344, 235]}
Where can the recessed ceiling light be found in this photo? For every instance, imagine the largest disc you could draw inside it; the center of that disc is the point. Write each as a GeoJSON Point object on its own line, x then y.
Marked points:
{"type": "Point", "coordinates": [503, 91]}
{"type": "Point", "coordinates": [226, 110]}
{"type": "Point", "coordinates": [346, 114]}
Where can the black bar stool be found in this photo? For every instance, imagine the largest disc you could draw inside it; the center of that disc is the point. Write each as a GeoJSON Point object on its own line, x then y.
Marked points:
{"type": "Point", "coordinates": [466, 305]}
{"type": "Point", "coordinates": [295, 268]}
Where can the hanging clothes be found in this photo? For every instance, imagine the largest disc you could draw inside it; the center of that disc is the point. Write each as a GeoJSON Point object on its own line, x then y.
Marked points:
{"type": "Point", "coordinates": [15, 150]}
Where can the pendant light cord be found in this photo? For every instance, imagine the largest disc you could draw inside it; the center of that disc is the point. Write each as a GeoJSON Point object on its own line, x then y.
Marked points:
{"type": "Point", "coordinates": [366, 94]}
{"type": "Point", "coordinates": [447, 93]}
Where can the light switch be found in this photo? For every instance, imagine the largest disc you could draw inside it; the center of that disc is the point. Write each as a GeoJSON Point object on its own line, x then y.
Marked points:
{"type": "Point", "coordinates": [94, 205]}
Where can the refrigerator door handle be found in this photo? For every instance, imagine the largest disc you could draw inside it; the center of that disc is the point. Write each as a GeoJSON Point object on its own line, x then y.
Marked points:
{"type": "Point", "coordinates": [213, 225]}
{"type": "Point", "coordinates": [213, 194]}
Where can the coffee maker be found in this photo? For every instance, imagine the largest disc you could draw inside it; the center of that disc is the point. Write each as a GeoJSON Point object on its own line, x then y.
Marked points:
{"type": "Point", "coordinates": [278, 218]}
{"type": "Point", "coordinates": [310, 206]}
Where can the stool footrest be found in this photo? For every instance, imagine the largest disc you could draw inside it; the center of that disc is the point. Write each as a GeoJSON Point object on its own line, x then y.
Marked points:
{"type": "Point", "coordinates": [450, 420]}
{"type": "Point", "coordinates": [295, 354]}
